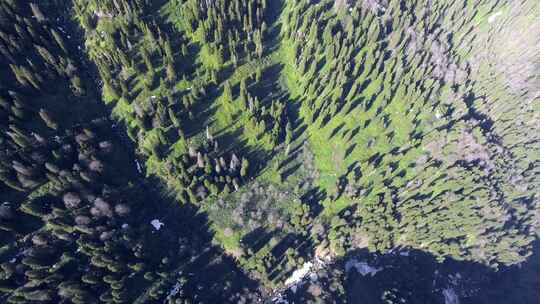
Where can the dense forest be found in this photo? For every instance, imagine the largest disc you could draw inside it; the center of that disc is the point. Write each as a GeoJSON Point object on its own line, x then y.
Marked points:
{"type": "Point", "coordinates": [269, 151]}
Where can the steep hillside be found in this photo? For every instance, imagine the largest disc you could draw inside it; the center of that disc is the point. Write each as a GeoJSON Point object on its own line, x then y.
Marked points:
{"type": "Point", "coordinates": [220, 151]}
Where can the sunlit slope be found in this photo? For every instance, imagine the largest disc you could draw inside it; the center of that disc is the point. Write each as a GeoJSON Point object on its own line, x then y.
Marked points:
{"type": "Point", "coordinates": [418, 117]}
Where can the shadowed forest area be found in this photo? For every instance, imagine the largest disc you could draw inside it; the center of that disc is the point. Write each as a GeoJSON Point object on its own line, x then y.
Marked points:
{"type": "Point", "coordinates": [261, 151]}
{"type": "Point", "coordinates": [413, 276]}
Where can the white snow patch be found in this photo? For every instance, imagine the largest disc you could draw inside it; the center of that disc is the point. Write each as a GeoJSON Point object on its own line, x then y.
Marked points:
{"type": "Point", "coordinates": [174, 290]}
{"type": "Point", "coordinates": [492, 18]}
{"type": "Point", "coordinates": [450, 296]}
{"type": "Point", "coordinates": [157, 224]}
{"type": "Point", "coordinates": [362, 267]}
{"type": "Point", "coordinates": [299, 274]}
{"type": "Point", "coordinates": [404, 253]}
{"type": "Point", "coordinates": [139, 167]}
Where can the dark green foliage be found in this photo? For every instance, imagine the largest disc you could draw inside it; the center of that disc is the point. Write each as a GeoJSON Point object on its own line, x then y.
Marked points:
{"type": "Point", "coordinates": [230, 29]}
{"type": "Point", "coordinates": [303, 130]}
{"type": "Point", "coordinates": [71, 217]}
{"type": "Point", "coordinates": [387, 98]}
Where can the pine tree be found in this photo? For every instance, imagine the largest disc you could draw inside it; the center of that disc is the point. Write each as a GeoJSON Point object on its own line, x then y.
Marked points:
{"type": "Point", "coordinates": [244, 168]}
{"type": "Point", "coordinates": [47, 118]}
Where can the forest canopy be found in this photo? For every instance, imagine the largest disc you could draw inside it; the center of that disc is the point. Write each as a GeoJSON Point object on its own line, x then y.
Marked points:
{"type": "Point", "coordinates": [194, 151]}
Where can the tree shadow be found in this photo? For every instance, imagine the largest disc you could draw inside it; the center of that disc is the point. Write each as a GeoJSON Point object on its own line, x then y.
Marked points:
{"type": "Point", "coordinates": [336, 130]}
{"type": "Point", "coordinates": [300, 129]}
{"type": "Point", "coordinates": [354, 166]}
{"type": "Point", "coordinates": [290, 171]}
{"type": "Point", "coordinates": [256, 239]}
{"type": "Point", "coordinates": [417, 277]}
{"type": "Point", "coordinates": [354, 104]}
{"type": "Point", "coordinates": [376, 159]}
{"type": "Point", "coordinates": [369, 103]}
{"type": "Point", "coordinates": [349, 150]}
{"type": "Point", "coordinates": [313, 198]}
{"type": "Point", "coordinates": [206, 266]}
{"type": "Point", "coordinates": [354, 132]}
